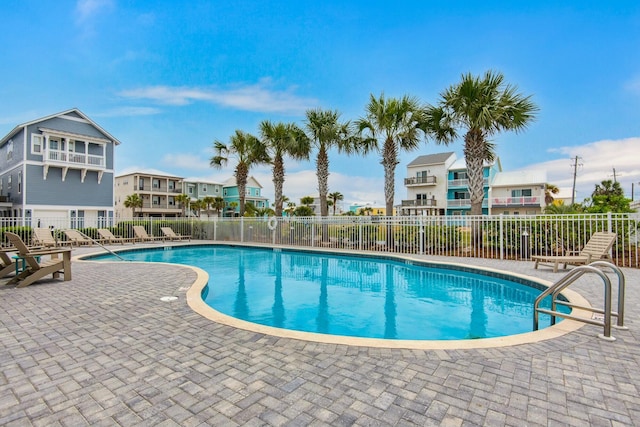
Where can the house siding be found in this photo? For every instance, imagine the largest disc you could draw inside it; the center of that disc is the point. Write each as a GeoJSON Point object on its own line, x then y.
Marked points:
{"type": "Point", "coordinates": [71, 191]}
{"type": "Point", "coordinates": [18, 152]}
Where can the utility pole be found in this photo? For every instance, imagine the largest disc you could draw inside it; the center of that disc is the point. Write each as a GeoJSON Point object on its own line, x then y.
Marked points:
{"type": "Point", "coordinates": [614, 175]}
{"type": "Point", "coordinates": [575, 173]}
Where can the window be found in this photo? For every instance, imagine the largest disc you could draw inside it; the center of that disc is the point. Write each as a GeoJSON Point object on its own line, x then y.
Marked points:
{"type": "Point", "coordinates": [72, 146]}
{"type": "Point", "coordinates": [521, 193]}
{"type": "Point", "coordinates": [19, 182]}
{"type": "Point", "coordinates": [141, 184]}
{"type": "Point", "coordinates": [36, 144]}
{"type": "Point", "coordinates": [172, 185]}
{"type": "Point", "coordinates": [225, 192]}
{"type": "Point", "coordinates": [9, 182]}
{"type": "Point", "coordinates": [156, 183]}
{"type": "Point", "coordinates": [460, 175]}
{"type": "Point", "coordinates": [190, 189]}
{"type": "Point", "coordinates": [10, 149]}
{"type": "Point", "coordinates": [156, 200]}
{"type": "Point", "coordinates": [55, 144]}
{"type": "Point", "coordinates": [204, 188]}
{"type": "Point", "coordinates": [1, 186]}
{"type": "Point", "coordinates": [172, 201]}
{"type": "Point", "coordinates": [458, 195]}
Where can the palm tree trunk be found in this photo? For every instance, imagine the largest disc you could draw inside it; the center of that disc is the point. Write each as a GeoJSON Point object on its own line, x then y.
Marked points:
{"type": "Point", "coordinates": [278, 181]}
{"type": "Point", "coordinates": [475, 155]}
{"type": "Point", "coordinates": [322, 165]}
{"type": "Point", "coordinates": [389, 162]}
{"type": "Point", "coordinates": [242, 172]}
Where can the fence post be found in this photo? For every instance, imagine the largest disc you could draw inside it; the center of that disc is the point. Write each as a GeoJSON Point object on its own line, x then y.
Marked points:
{"type": "Point", "coordinates": [215, 230]}
{"type": "Point", "coordinates": [609, 227]}
{"type": "Point", "coordinates": [501, 236]}
{"type": "Point", "coordinates": [242, 229]}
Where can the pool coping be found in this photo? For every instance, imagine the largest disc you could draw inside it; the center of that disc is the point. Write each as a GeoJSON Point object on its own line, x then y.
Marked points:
{"type": "Point", "coordinates": [197, 304]}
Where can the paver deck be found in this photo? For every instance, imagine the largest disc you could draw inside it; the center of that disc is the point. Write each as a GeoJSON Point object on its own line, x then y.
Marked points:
{"type": "Point", "coordinates": [104, 349]}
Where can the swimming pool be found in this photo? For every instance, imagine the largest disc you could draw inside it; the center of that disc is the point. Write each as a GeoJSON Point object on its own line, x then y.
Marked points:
{"type": "Point", "coordinates": [357, 296]}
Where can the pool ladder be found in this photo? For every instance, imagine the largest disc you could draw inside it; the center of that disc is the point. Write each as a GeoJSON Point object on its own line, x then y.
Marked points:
{"type": "Point", "coordinates": [607, 313]}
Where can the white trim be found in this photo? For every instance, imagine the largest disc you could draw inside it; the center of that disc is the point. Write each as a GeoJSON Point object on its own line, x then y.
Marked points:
{"type": "Point", "coordinates": [77, 119]}
{"type": "Point", "coordinates": [68, 207]}
{"type": "Point", "coordinates": [74, 136]}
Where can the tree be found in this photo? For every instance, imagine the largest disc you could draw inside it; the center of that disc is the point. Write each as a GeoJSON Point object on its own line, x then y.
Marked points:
{"type": "Point", "coordinates": [303, 210]}
{"type": "Point", "coordinates": [306, 200]}
{"type": "Point", "coordinates": [335, 197]}
{"type": "Point", "coordinates": [183, 200]}
{"type": "Point", "coordinates": [233, 206]}
{"type": "Point", "coordinates": [218, 204]}
{"type": "Point", "coordinates": [559, 208]}
{"type": "Point", "coordinates": [133, 201]}
{"type": "Point", "coordinates": [391, 126]}
{"type": "Point", "coordinates": [283, 139]}
{"type": "Point", "coordinates": [608, 196]}
{"type": "Point", "coordinates": [482, 106]}
{"type": "Point", "coordinates": [208, 202]}
{"type": "Point", "coordinates": [549, 191]}
{"type": "Point", "coordinates": [325, 131]}
{"type": "Point", "coordinates": [248, 151]}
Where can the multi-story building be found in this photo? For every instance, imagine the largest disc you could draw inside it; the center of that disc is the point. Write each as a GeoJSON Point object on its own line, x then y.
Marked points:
{"type": "Point", "coordinates": [518, 192]}
{"type": "Point", "coordinates": [458, 197]}
{"type": "Point", "coordinates": [58, 166]}
{"type": "Point", "coordinates": [198, 189]}
{"type": "Point", "coordinates": [158, 191]}
{"type": "Point", "coordinates": [426, 185]}
{"type": "Point", "coordinates": [315, 205]}
{"type": "Point", "coordinates": [253, 195]}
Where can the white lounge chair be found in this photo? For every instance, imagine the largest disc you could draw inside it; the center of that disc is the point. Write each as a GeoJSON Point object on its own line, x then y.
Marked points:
{"type": "Point", "coordinates": [171, 235]}
{"type": "Point", "coordinates": [597, 248]}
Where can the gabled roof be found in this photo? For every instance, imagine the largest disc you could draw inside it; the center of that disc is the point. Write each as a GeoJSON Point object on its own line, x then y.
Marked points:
{"type": "Point", "coordinates": [153, 172]}
{"type": "Point", "coordinates": [520, 178]}
{"type": "Point", "coordinates": [432, 159]}
{"type": "Point", "coordinates": [231, 182]}
{"type": "Point", "coordinates": [16, 129]}
{"type": "Point", "coordinates": [200, 181]}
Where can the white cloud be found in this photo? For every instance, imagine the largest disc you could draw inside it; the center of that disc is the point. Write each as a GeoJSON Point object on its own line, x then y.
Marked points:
{"type": "Point", "coordinates": [185, 161]}
{"type": "Point", "coordinates": [260, 97]}
{"type": "Point", "coordinates": [596, 163]}
{"type": "Point", "coordinates": [87, 9]}
{"type": "Point", "coordinates": [129, 111]}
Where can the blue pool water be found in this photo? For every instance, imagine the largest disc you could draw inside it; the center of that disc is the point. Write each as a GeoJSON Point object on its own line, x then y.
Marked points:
{"type": "Point", "coordinates": [355, 296]}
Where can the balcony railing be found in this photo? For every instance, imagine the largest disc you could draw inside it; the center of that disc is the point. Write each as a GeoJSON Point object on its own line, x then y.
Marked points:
{"type": "Point", "coordinates": [457, 203]}
{"type": "Point", "coordinates": [77, 159]}
{"type": "Point", "coordinates": [420, 202]}
{"type": "Point", "coordinates": [421, 180]}
{"type": "Point", "coordinates": [464, 182]}
{"type": "Point", "coordinates": [516, 201]}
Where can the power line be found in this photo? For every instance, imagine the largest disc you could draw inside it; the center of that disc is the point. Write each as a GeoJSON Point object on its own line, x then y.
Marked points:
{"type": "Point", "coordinates": [575, 173]}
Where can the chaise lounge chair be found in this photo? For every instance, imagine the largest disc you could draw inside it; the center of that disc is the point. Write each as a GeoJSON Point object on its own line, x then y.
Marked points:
{"type": "Point", "coordinates": [44, 237]}
{"type": "Point", "coordinates": [108, 237]}
{"type": "Point", "coordinates": [171, 235]}
{"type": "Point", "coordinates": [597, 248]}
{"type": "Point", "coordinates": [35, 269]}
{"type": "Point", "coordinates": [141, 234]}
{"type": "Point", "coordinates": [7, 264]}
{"type": "Point", "coordinates": [74, 237]}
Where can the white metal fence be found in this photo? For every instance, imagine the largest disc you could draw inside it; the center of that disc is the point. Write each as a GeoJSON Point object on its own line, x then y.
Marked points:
{"type": "Point", "coordinates": [499, 237]}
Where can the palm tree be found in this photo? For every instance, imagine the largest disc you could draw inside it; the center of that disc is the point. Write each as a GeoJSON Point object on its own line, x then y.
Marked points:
{"type": "Point", "coordinates": [325, 131]}
{"type": "Point", "coordinates": [184, 201]}
{"type": "Point", "coordinates": [482, 106]}
{"type": "Point", "coordinates": [306, 200]}
{"type": "Point", "coordinates": [549, 191]}
{"type": "Point", "coordinates": [218, 204]}
{"type": "Point", "coordinates": [133, 201]}
{"type": "Point", "coordinates": [391, 125]}
{"type": "Point", "coordinates": [335, 197]}
{"type": "Point", "coordinates": [208, 201]}
{"type": "Point", "coordinates": [283, 139]}
{"type": "Point", "coordinates": [248, 151]}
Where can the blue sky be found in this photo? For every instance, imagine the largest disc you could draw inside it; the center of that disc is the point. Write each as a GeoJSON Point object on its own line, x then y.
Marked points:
{"type": "Point", "coordinates": [168, 78]}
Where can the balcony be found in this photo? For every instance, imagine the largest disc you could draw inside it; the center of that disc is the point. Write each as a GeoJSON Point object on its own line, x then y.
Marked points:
{"type": "Point", "coordinates": [516, 201]}
{"type": "Point", "coordinates": [420, 180]}
{"type": "Point", "coordinates": [464, 183]}
{"type": "Point", "coordinates": [464, 203]}
{"type": "Point", "coordinates": [69, 159]}
{"type": "Point", "coordinates": [421, 202]}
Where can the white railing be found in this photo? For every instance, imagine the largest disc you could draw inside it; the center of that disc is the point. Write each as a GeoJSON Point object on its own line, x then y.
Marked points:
{"type": "Point", "coordinates": [499, 236]}
{"type": "Point", "coordinates": [516, 201]}
{"type": "Point", "coordinates": [464, 182]}
{"type": "Point", "coordinates": [419, 202]}
{"type": "Point", "coordinates": [75, 158]}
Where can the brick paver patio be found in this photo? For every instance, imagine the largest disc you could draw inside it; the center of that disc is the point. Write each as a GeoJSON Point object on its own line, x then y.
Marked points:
{"type": "Point", "coordinates": [104, 349]}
